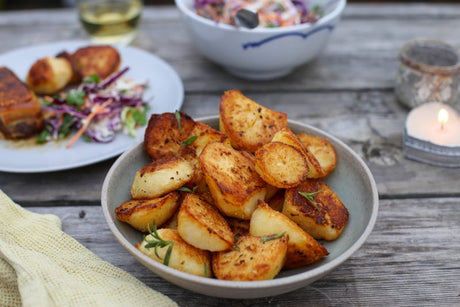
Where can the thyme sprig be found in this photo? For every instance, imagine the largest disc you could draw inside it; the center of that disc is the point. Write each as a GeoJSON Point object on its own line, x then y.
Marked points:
{"type": "Point", "coordinates": [177, 114]}
{"type": "Point", "coordinates": [310, 197]}
{"type": "Point", "coordinates": [190, 140]}
{"type": "Point", "coordinates": [272, 237]}
{"type": "Point", "coordinates": [159, 242]}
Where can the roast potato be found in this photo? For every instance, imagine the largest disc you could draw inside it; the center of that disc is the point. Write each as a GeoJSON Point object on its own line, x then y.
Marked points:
{"type": "Point", "coordinates": [140, 213]}
{"type": "Point", "coordinates": [49, 75]}
{"type": "Point", "coordinates": [281, 165]}
{"type": "Point", "coordinates": [201, 225]}
{"type": "Point", "coordinates": [251, 259]}
{"type": "Point", "coordinates": [233, 182]}
{"type": "Point", "coordinates": [286, 136]}
{"type": "Point", "coordinates": [164, 139]}
{"type": "Point", "coordinates": [184, 257]}
{"type": "Point", "coordinates": [322, 150]}
{"type": "Point", "coordinates": [323, 217]}
{"type": "Point", "coordinates": [248, 124]}
{"type": "Point", "coordinates": [99, 60]}
{"type": "Point", "coordinates": [161, 177]}
{"type": "Point", "coordinates": [302, 248]}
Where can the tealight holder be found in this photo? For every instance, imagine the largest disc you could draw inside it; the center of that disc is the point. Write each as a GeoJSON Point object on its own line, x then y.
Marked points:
{"type": "Point", "coordinates": [429, 70]}
{"type": "Point", "coordinates": [432, 135]}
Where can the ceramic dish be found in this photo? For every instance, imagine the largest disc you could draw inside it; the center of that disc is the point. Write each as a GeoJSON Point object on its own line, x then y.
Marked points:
{"type": "Point", "coordinates": [351, 180]}
{"type": "Point", "coordinates": [261, 53]}
{"type": "Point", "coordinates": [165, 94]}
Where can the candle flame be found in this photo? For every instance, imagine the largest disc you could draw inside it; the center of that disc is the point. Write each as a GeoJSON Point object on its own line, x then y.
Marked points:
{"type": "Point", "coordinates": [443, 116]}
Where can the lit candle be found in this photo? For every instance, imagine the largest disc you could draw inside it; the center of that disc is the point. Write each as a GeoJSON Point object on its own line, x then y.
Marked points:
{"type": "Point", "coordinates": [443, 117]}
{"type": "Point", "coordinates": [436, 123]}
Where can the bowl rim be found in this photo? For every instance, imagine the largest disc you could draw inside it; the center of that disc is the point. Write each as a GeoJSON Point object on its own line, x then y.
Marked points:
{"type": "Point", "coordinates": [246, 285]}
{"type": "Point", "coordinates": [323, 20]}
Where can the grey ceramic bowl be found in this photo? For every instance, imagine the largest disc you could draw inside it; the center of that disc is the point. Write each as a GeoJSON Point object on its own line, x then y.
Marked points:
{"type": "Point", "coordinates": [351, 180]}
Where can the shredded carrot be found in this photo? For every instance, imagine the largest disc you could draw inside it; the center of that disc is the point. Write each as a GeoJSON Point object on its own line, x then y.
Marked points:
{"type": "Point", "coordinates": [97, 109]}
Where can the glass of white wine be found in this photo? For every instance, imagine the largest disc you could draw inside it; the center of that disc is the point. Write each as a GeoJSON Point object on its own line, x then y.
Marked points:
{"type": "Point", "coordinates": [110, 21]}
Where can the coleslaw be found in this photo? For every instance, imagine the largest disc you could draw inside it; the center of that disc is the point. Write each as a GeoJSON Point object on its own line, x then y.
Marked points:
{"type": "Point", "coordinates": [96, 110]}
{"type": "Point", "coordinates": [272, 13]}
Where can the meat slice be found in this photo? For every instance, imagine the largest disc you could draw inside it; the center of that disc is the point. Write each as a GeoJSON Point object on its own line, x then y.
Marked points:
{"type": "Point", "coordinates": [20, 114]}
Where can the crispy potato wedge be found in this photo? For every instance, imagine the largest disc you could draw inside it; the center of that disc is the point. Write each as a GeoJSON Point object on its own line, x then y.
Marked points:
{"type": "Point", "coordinates": [239, 227]}
{"type": "Point", "coordinates": [302, 249]}
{"type": "Point", "coordinates": [233, 182]}
{"type": "Point", "coordinates": [99, 60]}
{"type": "Point", "coordinates": [248, 124]}
{"type": "Point", "coordinates": [325, 217]}
{"type": "Point", "coordinates": [253, 259]}
{"type": "Point", "coordinates": [139, 213]}
{"type": "Point", "coordinates": [286, 136]}
{"type": "Point", "coordinates": [281, 165]}
{"type": "Point", "coordinates": [161, 177]}
{"type": "Point", "coordinates": [322, 149]}
{"type": "Point", "coordinates": [201, 225]}
{"type": "Point", "coordinates": [163, 138]}
{"type": "Point", "coordinates": [184, 257]}
{"type": "Point", "coordinates": [49, 75]}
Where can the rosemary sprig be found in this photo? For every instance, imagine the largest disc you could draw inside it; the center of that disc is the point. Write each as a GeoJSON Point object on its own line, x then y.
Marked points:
{"type": "Point", "coordinates": [310, 196]}
{"type": "Point", "coordinates": [177, 114]}
{"type": "Point", "coordinates": [190, 140]}
{"type": "Point", "coordinates": [272, 237]}
{"type": "Point", "coordinates": [159, 242]}
{"type": "Point", "coordinates": [188, 190]}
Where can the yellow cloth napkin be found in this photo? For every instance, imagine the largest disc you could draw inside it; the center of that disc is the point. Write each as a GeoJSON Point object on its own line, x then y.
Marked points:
{"type": "Point", "coordinates": [42, 266]}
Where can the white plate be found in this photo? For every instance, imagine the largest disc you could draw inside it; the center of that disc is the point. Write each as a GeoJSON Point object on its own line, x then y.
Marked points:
{"type": "Point", "coordinates": [165, 90]}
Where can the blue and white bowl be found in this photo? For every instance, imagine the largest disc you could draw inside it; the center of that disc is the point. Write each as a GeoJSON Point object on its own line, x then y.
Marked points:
{"type": "Point", "coordinates": [261, 53]}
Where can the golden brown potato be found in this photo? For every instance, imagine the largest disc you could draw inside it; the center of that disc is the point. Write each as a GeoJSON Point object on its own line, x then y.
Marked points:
{"type": "Point", "coordinates": [172, 222]}
{"type": "Point", "coordinates": [99, 60]}
{"type": "Point", "coordinates": [233, 182]}
{"type": "Point", "coordinates": [184, 257]}
{"type": "Point", "coordinates": [302, 249]}
{"type": "Point", "coordinates": [49, 75]}
{"type": "Point", "coordinates": [322, 149]}
{"type": "Point", "coordinates": [323, 217]}
{"type": "Point", "coordinates": [281, 165]}
{"type": "Point", "coordinates": [286, 136]}
{"type": "Point", "coordinates": [248, 124]}
{"type": "Point", "coordinates": [161, 177]}
{"type": "Point", "coordinates": [141, 213]}
{"type": "Point", "coordinates": [163, 138]}
{"type": "Point", "coordinates": [252, 259]}
{"type": "Point", "coordinates": [76, 78]}
{"type": "Point", "coordinates": [201, 225]}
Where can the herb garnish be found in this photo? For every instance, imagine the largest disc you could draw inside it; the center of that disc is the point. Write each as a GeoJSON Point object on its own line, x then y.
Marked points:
{"type": "Point", "coordinates": [177, 114]}
{"type": "Point", "coordinates": [76, 98]}
{"type": "Point", "coordinates": [272, 237]}
{"type": "Point", "coordinates": [92, 79]}
{"type": "Point", "coordinates": [310, 196]}
{"type": "Point", "coordinates": [190, 140]}
{"type": "Point", "coordinates": [235, 247]}
{"type": "Point", "coordinates": [185, 189]}
{"type": "Point", "coordinates": [159, 242]}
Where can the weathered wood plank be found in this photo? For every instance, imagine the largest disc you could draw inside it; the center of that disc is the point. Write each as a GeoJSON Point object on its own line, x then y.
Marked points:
{"type": "Point", "coordinates": [410, 259]}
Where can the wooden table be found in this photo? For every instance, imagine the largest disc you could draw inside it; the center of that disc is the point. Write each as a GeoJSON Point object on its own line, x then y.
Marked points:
{"type": "Point", "coordinates": [412, 258]}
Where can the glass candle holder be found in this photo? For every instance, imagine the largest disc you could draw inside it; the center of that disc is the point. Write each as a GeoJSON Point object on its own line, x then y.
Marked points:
{"type": "Point", "coordinates": [429, 70]}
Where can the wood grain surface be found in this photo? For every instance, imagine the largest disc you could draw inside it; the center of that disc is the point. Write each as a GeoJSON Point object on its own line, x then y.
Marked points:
{"type": "Point", "coordinates": [412, 257]}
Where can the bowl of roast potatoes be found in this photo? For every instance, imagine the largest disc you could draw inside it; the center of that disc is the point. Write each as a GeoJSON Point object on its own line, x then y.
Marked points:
{"type": "Point", "coordinates": [245, 204]}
